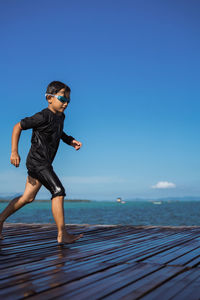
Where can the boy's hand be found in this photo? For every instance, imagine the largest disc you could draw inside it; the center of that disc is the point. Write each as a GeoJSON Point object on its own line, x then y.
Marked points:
{"type": "Point", "coordinates": [76, 144]}
{"type": "Point", "coordinates": [15, 159]}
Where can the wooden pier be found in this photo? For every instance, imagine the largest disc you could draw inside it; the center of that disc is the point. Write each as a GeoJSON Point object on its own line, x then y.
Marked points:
{"type": "Point", "coordinates": [109, 262]}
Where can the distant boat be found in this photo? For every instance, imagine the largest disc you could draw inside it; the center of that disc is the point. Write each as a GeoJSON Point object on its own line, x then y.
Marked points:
{"type": "Point", "coordinates": [119, 200]}
{"type": "Point", "coordinates": [157, 202]}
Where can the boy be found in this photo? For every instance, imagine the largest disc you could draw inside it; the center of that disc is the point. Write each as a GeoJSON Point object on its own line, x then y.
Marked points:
{"type": "Point", "coordinates": [47, 131]}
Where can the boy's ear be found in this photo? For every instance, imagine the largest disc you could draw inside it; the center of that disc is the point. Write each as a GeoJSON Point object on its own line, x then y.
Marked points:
{"type": "Point", "coordinates": [49, 99]}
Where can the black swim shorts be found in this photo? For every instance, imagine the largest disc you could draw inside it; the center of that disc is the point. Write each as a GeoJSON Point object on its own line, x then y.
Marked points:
{"type": "Point", "coordinates": [50, 180]}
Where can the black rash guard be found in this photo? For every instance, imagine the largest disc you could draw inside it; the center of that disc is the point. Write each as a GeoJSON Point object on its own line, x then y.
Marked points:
{"type": "Point", "coordinates": [47, 132]}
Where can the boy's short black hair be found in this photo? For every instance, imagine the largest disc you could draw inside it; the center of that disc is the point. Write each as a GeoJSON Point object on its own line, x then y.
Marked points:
{"type": "Point", "coordinates": [55, 86]}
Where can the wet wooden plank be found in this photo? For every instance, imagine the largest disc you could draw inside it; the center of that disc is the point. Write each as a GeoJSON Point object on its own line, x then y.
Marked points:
{"type": "Point", "coordinates": [190, 291]}
{"type": "Point", "coordinates": [176, 255]}
{"type": "Point", "coordinates": [174, 287]}
{"type": "Point", "coordinates": [99, 284]}
{"type": "Point", "coordinates": [113, 261]}
{"type": "Point", "coordinates": [134, 282]}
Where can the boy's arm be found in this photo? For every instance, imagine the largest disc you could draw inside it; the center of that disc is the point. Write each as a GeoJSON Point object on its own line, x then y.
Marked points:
{"type": "Point", "coordinates": [15, 158]}
{"type": "Point", "coordinates": [67, 139]}
{"type": "Point", "coordinates": [70, 140]}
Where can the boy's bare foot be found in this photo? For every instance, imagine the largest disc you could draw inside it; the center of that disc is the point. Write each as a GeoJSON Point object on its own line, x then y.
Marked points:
{"type": "Point", "coordinates": [1, 228]}
{"type": "Point", "coordinates": [67, 238]}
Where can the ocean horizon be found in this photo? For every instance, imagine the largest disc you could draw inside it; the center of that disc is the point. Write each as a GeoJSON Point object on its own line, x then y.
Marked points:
{"type": "Point", "coordinates": [138, 213]}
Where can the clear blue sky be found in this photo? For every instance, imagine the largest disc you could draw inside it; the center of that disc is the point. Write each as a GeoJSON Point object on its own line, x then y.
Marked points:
{"type": "Point", "coordinates": [134, 70]}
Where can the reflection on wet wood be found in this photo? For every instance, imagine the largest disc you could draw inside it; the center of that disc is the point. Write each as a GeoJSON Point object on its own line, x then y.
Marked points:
{"type": "Point", "coordinates": [109, 262]}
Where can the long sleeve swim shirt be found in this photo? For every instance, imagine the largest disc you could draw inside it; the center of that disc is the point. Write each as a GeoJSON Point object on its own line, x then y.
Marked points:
{"type": "Point", "coordinates": [47, 130]}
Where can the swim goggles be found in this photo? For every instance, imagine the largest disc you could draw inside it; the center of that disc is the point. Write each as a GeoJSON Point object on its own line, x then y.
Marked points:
{"type": "Point", "coordinates": [60, 98]}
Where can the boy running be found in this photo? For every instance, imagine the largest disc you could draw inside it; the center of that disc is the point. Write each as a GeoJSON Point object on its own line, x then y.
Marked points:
{"type": "Point", "coordinates": [47, 130]}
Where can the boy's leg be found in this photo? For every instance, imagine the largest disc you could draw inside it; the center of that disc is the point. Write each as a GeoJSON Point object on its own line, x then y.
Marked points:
{"type": "Point", "coordinates": [58, 214]}
{"type": "Point", "coordinates": [50, 180]}
{"type": "Point", "coordinates": [31, 189]}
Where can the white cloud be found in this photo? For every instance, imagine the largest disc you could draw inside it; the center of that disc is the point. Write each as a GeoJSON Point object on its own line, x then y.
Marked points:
{"type": "Point", "coordinates": [164, 185]}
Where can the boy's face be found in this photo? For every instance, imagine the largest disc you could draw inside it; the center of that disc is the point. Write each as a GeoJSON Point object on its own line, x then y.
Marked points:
{"type": "Point", "coordinates": [56, 105]}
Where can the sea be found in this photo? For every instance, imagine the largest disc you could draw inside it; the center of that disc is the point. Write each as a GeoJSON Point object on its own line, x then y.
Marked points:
{"type": "Point", "coordinates": [141, 213]}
